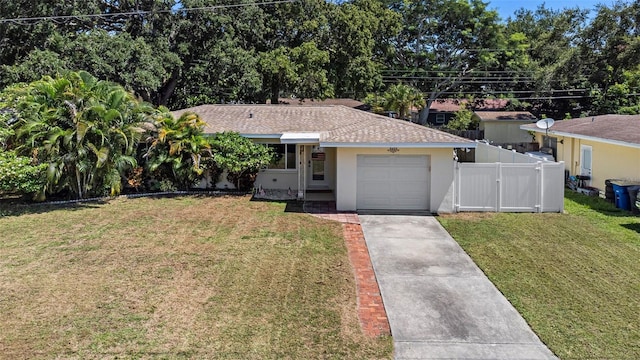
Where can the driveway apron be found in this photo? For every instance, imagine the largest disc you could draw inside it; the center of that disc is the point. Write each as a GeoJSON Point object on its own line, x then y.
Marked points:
{"type": "Point", "coordinates": [440, 305]}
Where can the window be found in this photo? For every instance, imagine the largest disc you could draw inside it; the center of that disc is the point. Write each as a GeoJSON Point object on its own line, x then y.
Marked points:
{"type": "Point", "coordinates": [440, 118]}
{"type": "Point", "coordinates": [285, 156]}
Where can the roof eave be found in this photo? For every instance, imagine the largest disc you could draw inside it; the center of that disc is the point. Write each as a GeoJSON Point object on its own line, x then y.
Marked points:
{"type": "Point", "coordinates": [261, 136]}
{"type": "Point", "coordinates": [430, 145]}
{"type": "Point", "coordinates": [583, 137]}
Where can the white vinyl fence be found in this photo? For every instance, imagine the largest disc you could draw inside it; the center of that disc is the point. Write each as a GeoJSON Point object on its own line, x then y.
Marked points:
{"type": "Point", "coordinates": [486, 153]}
{"type": "Point", "coordinates": [515, 187]}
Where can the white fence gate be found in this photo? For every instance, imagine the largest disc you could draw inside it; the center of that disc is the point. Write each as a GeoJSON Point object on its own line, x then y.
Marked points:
{"type": "Point", "coordinates": [516, 187]}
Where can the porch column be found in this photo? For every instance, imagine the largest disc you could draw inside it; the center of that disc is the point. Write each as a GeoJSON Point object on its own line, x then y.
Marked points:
{"type": "Point", "coordinates": [302, 168]}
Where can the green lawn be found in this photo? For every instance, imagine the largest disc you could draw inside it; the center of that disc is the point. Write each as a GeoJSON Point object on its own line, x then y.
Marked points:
{"type": "Point", "coordinates": [189, 277]}
{"type": "Point", "coordinates": [575, 277]}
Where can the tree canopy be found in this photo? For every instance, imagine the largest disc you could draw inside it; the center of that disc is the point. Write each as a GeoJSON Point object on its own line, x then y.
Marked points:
{"type": "Point", "coordinates": [181, 53]}
{"type": "Point", "coordinates": [74, 136]}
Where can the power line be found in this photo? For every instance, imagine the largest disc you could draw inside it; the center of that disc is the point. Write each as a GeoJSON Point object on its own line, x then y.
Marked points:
{"type": "Point", "coordinates": [419, 71]}
{"type": "Point", "coordinates": [462, 78]}
{"type": "Point", "coordinates": [515, 92]}
{"type": "Point", "coordinates": [33, 20]}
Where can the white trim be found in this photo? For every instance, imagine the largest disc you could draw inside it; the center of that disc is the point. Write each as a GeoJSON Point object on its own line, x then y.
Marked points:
{"type": "Point", "coordinates": [470, 145]}
{"type": "Point", "coordinates": [582, 168]}
{"type": "Point", "coordinates": [261, 136]}
{"type": "Point", "coordinates": [285, 156]}
{"type": "Point", "coordinates": [300, 138]}
{"type": "Point", "coordinates": [583, 137]}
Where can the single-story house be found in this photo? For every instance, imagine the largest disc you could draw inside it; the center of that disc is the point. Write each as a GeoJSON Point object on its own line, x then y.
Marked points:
{"type": "Point", "coordinates": [442, 111]}
{"type": "Point", "coordinates": [602, 147]}
{"type": "Point", "coordinates": [503, 127]}
{"type": "Point", "coordinates": [367, 161]}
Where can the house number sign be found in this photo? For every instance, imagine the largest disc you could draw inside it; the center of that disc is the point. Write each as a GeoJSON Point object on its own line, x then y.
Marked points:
{"type": "Point", "coordinates": [393, 150]}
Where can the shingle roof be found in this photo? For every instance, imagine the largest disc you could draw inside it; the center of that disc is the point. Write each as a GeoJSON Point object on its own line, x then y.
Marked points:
{"type": "Point", "coordinates": [340, 101]}
{"type": "Point", "coordinates": [620, 128]}
{"type": "Point", "coordinates": [335, 124]}
{"type": "Point", "coordinates": [523, 116]}
{"type": "Point", "coordinates": [453, 105]}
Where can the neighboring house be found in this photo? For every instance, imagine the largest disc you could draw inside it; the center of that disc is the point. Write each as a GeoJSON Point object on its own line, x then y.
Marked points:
{"type": "Point", "coordinates": [603, 147]}
{"type": "Point", "coordinates": [503, 127]}
{"type": "Point", "coordinates": [366, 160]}
{"type": "Point", "coordinates": [443, 110]}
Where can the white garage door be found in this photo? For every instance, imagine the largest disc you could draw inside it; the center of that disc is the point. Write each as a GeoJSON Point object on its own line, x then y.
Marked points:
{"type": "Point", "coordinates": [393, 182]}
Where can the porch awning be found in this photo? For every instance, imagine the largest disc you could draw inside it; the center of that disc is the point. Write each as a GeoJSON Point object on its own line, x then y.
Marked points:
{"type": "Point", "coordinates": [300, 138]}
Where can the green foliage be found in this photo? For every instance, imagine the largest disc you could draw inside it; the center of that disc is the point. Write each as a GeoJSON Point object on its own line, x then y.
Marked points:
{"type": "Point", "coordinates": [441, 44]}
{"type": "Point", "coordinates": [402, 98]}
{"type": "Point", "coordinates": [299, 70]}
{"type": "Point", "coordinates": [619, 97]}
{"type": "Point", "coordinates": [83, 128]}
{"type": "Point", "coordinates": [175, 149]}
{"type": "Point", "coordinates": [5, 131]}
{"type": "Point", "coordinates": [240, 157]}
{"type": "Point", "coordinates": [377, 103]}
{"type": "Point", "coordinates": [320, 49]}
{"type": "Point", "coordinates": [19, 176]}
{"type": "Point", "coordinates": [463, 119]}
{"type": "Point", "coordinates": [365, 28]}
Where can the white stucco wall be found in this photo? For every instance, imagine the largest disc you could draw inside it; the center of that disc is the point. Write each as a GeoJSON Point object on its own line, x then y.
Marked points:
{"type": "Point", "coordinates": [280, 179]}
{"type": "Point", "coordinates": [269, 179]}
{"type": "Point", "coordinates": [440, 182]}
{"type": "Point", "coordinates": [277, 179]}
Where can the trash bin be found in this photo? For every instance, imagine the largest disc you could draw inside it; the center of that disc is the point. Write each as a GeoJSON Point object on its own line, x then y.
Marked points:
{"type": "Point", "coordinates": [633, 195]}
{"type": "Point", "coordinates": [622, 197]}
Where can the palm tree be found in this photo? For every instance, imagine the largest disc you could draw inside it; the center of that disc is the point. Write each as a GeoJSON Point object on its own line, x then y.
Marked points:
{"type": "Point", "coordinates": [86, 129]}
{"type": "Point", "coordinates": [402, 98]}
{"type": "Point", "coordinates": [176, 148]}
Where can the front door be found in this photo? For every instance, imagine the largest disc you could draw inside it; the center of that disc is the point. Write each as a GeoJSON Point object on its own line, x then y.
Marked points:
{"type": "Point", "coordinates": [585, 160]}
{"type": "Point", "coordinates": [317, 168]}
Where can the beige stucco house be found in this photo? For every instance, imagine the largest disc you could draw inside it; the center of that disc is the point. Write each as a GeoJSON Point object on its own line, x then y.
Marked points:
{"type": "Point", "coordinates": [365, 160]}
{"type": "Point", "coordinates": [603, 147]}
{"type": "Point", "coordinates": [503, 127]}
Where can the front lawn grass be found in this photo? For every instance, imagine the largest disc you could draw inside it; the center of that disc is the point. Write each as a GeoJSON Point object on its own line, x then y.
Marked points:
{"type": "Point", "coordinates": [575, 277]}
{"type": "Point", "coordinates": [189, 277]}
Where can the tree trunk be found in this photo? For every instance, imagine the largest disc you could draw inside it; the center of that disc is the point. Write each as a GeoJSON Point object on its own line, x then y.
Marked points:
{"type": "Point", "coordinates": [275, 92]}
{"type": "Point", "coordinates": [424, 113]}
{"type": "Point", "coordinates": [166, 92]}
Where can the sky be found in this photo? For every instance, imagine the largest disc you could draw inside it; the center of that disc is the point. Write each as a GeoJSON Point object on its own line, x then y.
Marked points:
{"type": "Point", "coordinates": [506, 8]}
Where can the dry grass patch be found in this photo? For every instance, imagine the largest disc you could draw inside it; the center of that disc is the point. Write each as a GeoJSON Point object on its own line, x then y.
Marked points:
{"type": "Point", "coordinates": [574, 277]}
{"type": "Point", "coordinates": [172, 278]}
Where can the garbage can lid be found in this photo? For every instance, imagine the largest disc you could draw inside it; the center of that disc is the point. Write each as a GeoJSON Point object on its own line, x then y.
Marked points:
{"type": "Point", "coordinates": [625, 182]}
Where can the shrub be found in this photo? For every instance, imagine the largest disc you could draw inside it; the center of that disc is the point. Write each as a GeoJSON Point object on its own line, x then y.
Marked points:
{"type": "Point", "coordinates": [240, 157]}
{"type": "Point", "coordinates": [19, 176]}
{"type": "Point", "coordinates": [463, 120]}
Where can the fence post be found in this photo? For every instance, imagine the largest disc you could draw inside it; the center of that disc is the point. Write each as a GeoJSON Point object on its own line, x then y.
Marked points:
{"type": "Point", "coordinates": [499, 185]}
{"type": "Point", "coordinates": [456, 187]}
{"type": "Point", "coordinates": [540, 185]}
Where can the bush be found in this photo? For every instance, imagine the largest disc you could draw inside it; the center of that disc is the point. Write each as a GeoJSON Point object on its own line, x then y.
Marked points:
{"type": "Point", "coordinates": [19, 176]}
{"type": "Point", "coordinates": [240, 157]}
{"type": "Point", "coordinates": [463, 120]}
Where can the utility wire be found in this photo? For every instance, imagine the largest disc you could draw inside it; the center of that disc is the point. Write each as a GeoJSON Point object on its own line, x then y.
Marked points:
{"type": "Point", "coordinates": [421, 71]}
{"type": "Point", "coordinates": [33, 20]}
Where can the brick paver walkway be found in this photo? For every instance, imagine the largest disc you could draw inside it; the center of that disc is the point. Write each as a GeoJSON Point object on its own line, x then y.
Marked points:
{"type": "Point", "coordinates": [371, 312]}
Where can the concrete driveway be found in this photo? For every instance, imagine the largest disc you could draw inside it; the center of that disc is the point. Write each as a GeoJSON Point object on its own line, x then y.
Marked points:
{"type": "Point", "coordinates": [439, 303]}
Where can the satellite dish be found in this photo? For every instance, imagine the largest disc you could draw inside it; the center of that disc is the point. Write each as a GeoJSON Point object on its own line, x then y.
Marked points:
{"type": "Point", "coordinates": [545, 123]}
